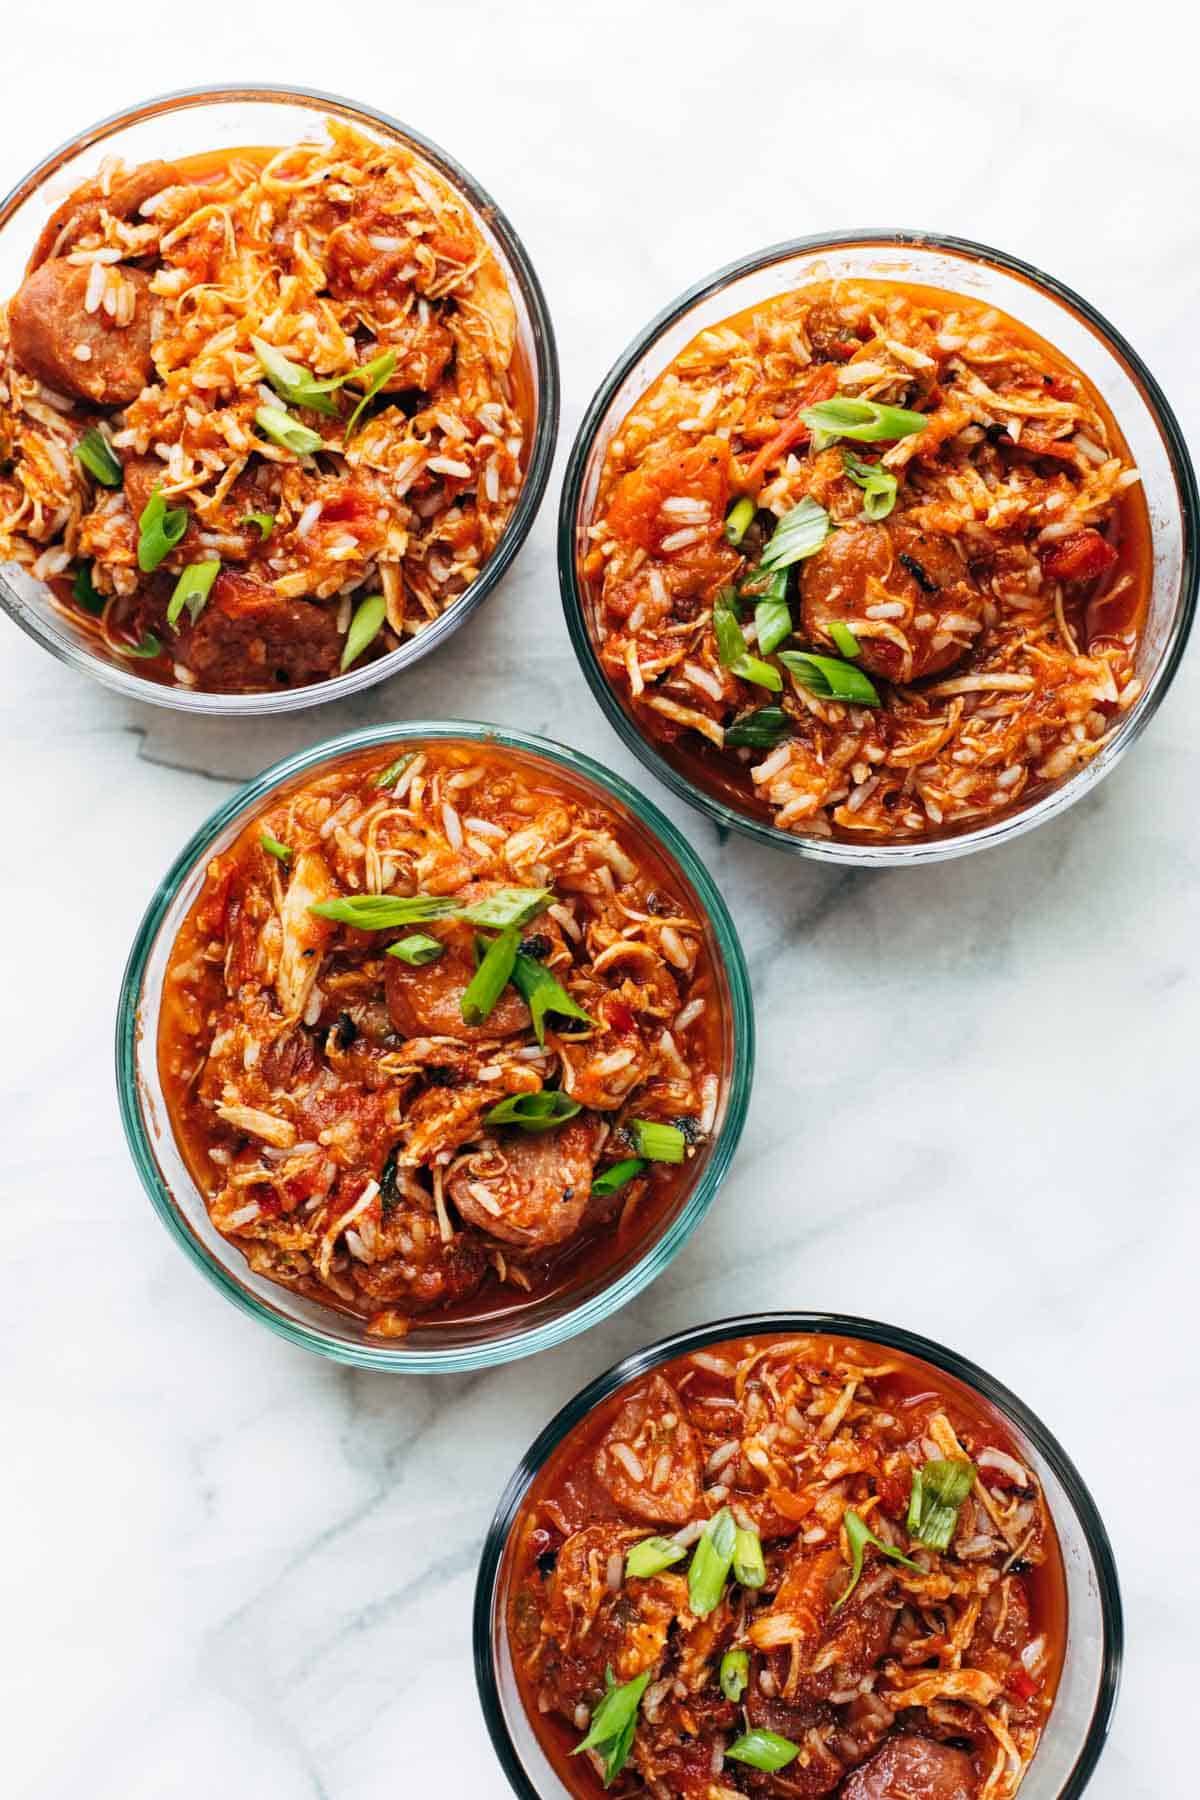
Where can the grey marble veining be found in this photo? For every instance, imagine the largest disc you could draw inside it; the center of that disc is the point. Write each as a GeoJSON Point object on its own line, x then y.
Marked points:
{"type": "Point", "coordinates": [233, 1569]}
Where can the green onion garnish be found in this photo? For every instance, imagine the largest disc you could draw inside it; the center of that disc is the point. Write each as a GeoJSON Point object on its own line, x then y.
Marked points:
{"type": "Point", "coordinates": [845, 639]}
{"type": "Point", "coordinates": [739, 519]}
{"type": "Point", "coordinates": [282, 429]}
{"type": "Point", "coordinates": [395, 770]}
{"type": "Point", "coordinates": [651, 1557]}
{"type": "Point", "coordinates": [542, 995]}
{"type": "Point", "coordinates": [657, 1143]}
{"type": "Point", "coordinates": [772, 615]}
{"type": "Point", "coordinates": [265, 522]}
{"type": "Point", "coordinates": [533, 1112]}
{"type": "Point", "coordinates": [865, 421]}
{"type": "Point", "coordinates": [273, 847]}
{"type": "Point", "coordinates": [711, 1563]}
{"type": "Point", "coordinates": [416, 950]}
{"type": "Point", "coordinates": [150, 646]}
{"type": "Point", "coordinates": [95, 454]}
{"type": "Point", "coordinates": [192, 590]}
{"type": "Point", "coordinates": [364, 628]}
{"type": "Point", "coordinates": [938, 1490]}
{"type": "Point", "coordinates": [490, 978]}
{"type": "Point", "coordinates": [379, 912]}
{"type": "Point", "coordinates": [731, 645]}
{"type": "Point", "coordinates": [878, 484]}
{"type": "Point", "coordinates": [831, 679]}
{"type": "Point", "coordinates": [748, 1566]}
{"type": "Point", "coordinates": [159, 530]}
{"type": "Point", "coordinates": [508, 906]}
{"type": "Point", "coordinates": [799, 533]}
{"type": "Point", "coordinates": [858, 1536]}
{"type": "Point", "coordinates": [618, 1176]}
{"type": "Point", "coordinates": [375, 373]}
{"type": "Point", "coordinates": [735, 1674]}
{"type": "Point", "coordinates": [85, 593]}
{"type": "Point", "coordinates": [614, 1722]}
{"type": "Point", "coordinates": [292, 382]}
{"type": "Point", "coordinates": [764, 1750]}
{"type": "Point", "coordinates": [759, 730]}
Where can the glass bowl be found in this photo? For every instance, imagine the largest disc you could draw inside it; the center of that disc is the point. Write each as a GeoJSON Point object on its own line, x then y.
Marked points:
{"type": "Point", "coordinates": [1033, 299]}
{"type": "Point", "coordinates": [1079, 1721]}
{"type": "Point", "coordinates": [199, 119]}
{"type": "Point", "coordinates": [453, 1345]}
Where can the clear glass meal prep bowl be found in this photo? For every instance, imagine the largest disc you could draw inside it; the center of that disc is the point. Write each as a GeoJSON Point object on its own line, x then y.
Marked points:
{"type": "Point", "coordinates": [992, 277]}
{"type": "Point", "coordinates": [177, 1200]}
{"type": "Point", "coordinates": [187, 124]}
{"type": "Point", "coordinates": [1078, 1724]}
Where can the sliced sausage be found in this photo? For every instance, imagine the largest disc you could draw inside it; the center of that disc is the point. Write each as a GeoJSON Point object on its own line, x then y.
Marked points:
{"type": "Point", "coordinates": [864, 566]}
{"type": "Point", "coordinates": [535, 1189]}
{"type": "Point", "coordinates": [913, 1768]}
{"type": "Point", "coordinates": [248, 638]}
{"type": "Point", "coordinates": [649, 1459]}
{"type": "Point", "coordinates": [428, 1002]}
{"type": "Point", "coordinates": [51, 330]}
{"type": "Point", "coordinates": [414, 1267]}
{"type": "Point", "coordinates": [80, 212]}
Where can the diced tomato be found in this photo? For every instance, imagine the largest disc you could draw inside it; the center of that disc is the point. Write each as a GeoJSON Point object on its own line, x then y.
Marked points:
{"type": "Point", "coordinates": [820, 384]}
{"type": "Point", "coordinates": [619, 1016]}
{"type": "Point", "coordinates": [792, 1506]}
{"type": "Point", "coordinates": [700, 473]}
{"type": "Point", "coordinates": [1081, 557]}
{"type": "Point", "coordinates": [214, 904]}
{"type": "Point", "coordinates": [893, 1491]}
{"type": "Point", "coordinates": [1020, 1683]}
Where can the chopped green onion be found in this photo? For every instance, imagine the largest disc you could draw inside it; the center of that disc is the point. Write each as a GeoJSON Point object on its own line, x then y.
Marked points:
{"type": "Point", "coordinates": [739, 519]}
{"type": "Point", "coordinates": [192, 590]}
{"type": "Point", "coordinates": [95, 453]}
{"type": "Point", "coordinates": [265, 522]}
{"type": "Point", "coordinates": [735, 1674]}
{"type": "Point", "coordinates": [380, 912]}
{"type": "Point", "coordinates": [542, 995]}
{"type": "Point", "coordinates": [711, 1563]}
{"type": "Point", "coordinates": [282, 429]}
{"type": "Point", "coordinates": [508, 906]}
{"type": "Point", "coordinates": [490, 978]}
{"type": "Point", "coordinates": [758, 730]}
{"type": "Point", "coordinates": [651, 1557]}
{"type": "Point", "coordinates": [159, 530]}
{"type": "Point", "coordinates": [292, 382]}
{"type": "Point", "coordinates": [858, 1536]}
{"type": "Point", "coordinates": [657, 1143]}
{"type": "Point", "coordinates": [748, 1565]}
{"type": "Point", "coordinates": [613, 1179]}
{"type": "Point", "coordinates": [831, 679]}
{"type": "Point", "coordinates": [416, 950]}
{"type": "Point", "coordinates": [533, 1112]}
{"type": "Point", "coordinates": [799, 533]}
{"type": "Point", "coordinates": [614, 1722]}
{"type": "Point", "coordinates": [938, 1490]}
{"type": "Point", "coordinates": [865, 421]}
{"type": "Point", "coordinates": [764, 1750]}
{"type": "Point", "coordinates": [845, 639]}
{"type": "Point", "coordinates": [731, 645]}
{"type": "Point", "coordinates": [878, 485]}
{"type": "Point", "coordinates": [85, 593]}
{"type": "Point", "coordinates": [772, 615]}
{"type": "Point", "coordinates": [375, 372]}
{"type": "Point", "coordinates": [395, 770]}
{"type": "Point", "coordinates": [273, 847]}
{"type": "Point", "coordinates": [365, 627]}
{"type": "Point", "coordinates": [149, 646]}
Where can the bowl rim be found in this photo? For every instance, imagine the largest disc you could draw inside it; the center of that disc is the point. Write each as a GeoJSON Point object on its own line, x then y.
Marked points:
{"type": "Point", "coordinates": [515, 1341]}
{"type": "Point", "coordinates": [542, 444]}
{"type": "Point", "coordinates": [905, 852]}
{"type": "Point", "coordinates": [832, 1324]}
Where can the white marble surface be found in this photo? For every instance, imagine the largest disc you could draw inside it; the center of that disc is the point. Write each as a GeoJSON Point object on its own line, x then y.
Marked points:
{"type": "Point", "coordinates": [232, 1569]}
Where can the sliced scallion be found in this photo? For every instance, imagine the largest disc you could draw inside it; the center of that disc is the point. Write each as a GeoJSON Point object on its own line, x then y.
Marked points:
{"type": "Point", "coordinates": [85, 593]}
{"type": "Point", "coordinates": [748, 1566]}
{"type": "Point", "coordinates": [508, 906]}
{"type": "Point", "coordinates": [938, 1490]}
{"type": "Point", "coordinates": [542, 994]}
{"type": "Point", "coordinates": [264, 521]}
{"type": "Point", "coordinates": [845, 639]}
{"type": "Point", "coordinates": [759, 730]}
{"type": "Point", "coordinates": [614, 1722]}
{"type": "Point", "coordinates": [864, 421]}
{"type": "Point", "coordinates": [391, 775]}
{"type": "Point", "coordinates": [416, 950]}
{"type": "Point", "coordinates": [533, 1112]}
{"type": "Point", "coordinates": [160, 528]}
{"type": "Point", "coordinates": [490, 978]}
{"type": "Point", "coordinates": [657, 1143]}
{"type": "Point", "coordinates": [94, 453]}
{"type": "Point", "coordinates": [858, 1536]}
{"type": "Point", "coordinates": [739, 519]}
{"type": "Point", "coordinates": [831, 679]}
{"type": "Point", "coordinates": [150, 646]}
{"type": "Point", "coordinates": [772, 615]}
{"type": "Point", "coordinates": [731, 645]}
{"type": "Point", "coordinates": [613, 1179]}
{"type": "Point", "coordinates": [878, 485]}
{"type": "Point", "coordinates": [735, 1674]}
{"type": "Point", "coordinates": [192, 590]}
{"type": "Point", "coordinates": [799, 533]}
{"type": "Point", "coordinates": [281, 852]}
{"type": "Point", "coordinates": [711, 1562]}
{"type": "Point", "coordinates": [374, 373]}
{"type": "Point", "coordinates": [282, 429]}
{"type": "Point", "coordinates": [380, 912]}
{"type": "Point", "coordinates": [651, 1557]}
{"type": "Point", "coordinates": [365, 627]}
{"type": "Point", "coordinates": [292, 382]}
{"type": "Point", "coordinates": [763, 1750]}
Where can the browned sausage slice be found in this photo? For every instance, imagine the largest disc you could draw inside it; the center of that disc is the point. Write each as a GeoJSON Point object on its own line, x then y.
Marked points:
{"type": "Point", "coordinates": [913, 1768]}
{"type": "Point", "coordinates": [248, 639]}
{"type": "Point", "coordinates": [862, 568]}
{"type": "Point", "coordinates": [649, 1459]}
{"type": "Point", "coordinates": [428, 1002]}
{"type": "Point", "coordinates": [533, 1190]}
{"type": "Point", "coordinates": [51, 330]}
{"type": "Point", "coordinates": [80, 212]}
